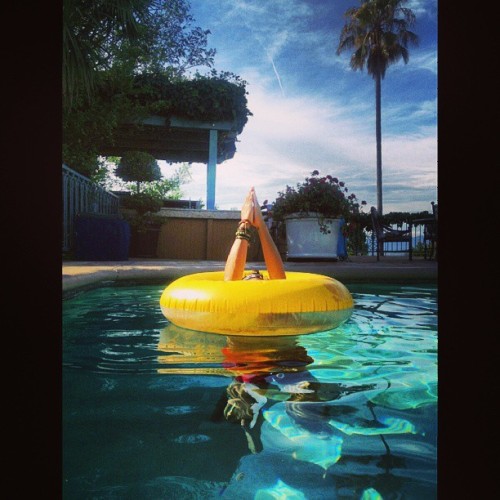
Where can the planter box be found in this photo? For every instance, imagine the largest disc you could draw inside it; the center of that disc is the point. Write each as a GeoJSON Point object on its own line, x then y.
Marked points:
{"type": "Point", "coordinates": [305, 240]}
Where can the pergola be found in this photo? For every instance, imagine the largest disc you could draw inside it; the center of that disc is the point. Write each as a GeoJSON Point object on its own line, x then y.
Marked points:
{"type": "Point", "coordinates": [177, 139]}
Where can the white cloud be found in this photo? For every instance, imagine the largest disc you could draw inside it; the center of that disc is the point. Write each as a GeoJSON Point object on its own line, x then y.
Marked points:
{"type": "Point", "coordinates": [424, 60]}
{"type": "Point", "coordinates": [287, 138]}
{"type": "Point", "coordinates": [307, 113]}
{"type": "Point", "coordinates": [420, 7]}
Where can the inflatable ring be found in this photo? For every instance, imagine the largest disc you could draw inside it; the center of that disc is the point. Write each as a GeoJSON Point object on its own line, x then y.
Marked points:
{"type": "Point", "coordinates": [301, 303]}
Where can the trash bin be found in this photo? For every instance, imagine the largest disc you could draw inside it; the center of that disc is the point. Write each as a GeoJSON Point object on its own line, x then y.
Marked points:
{"type": "Point", "coordinates": [101, 237]}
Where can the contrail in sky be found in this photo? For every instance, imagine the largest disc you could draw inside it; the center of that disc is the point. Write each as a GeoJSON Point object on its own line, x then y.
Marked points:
{"type": "Point", "coordinates": [275, 72]}
{"type": "Point", "coordinates": [244, 20]}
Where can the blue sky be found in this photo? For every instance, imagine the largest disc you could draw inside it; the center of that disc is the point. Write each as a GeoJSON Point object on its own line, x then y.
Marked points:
{"type": "Point", "coordinates": [311, 111]}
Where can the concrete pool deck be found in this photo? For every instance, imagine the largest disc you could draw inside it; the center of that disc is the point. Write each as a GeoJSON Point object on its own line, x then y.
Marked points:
{"type": "Point", "coordinates": [77, 275]}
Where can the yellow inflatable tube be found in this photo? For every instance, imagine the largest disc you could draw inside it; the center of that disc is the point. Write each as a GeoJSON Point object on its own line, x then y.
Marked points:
{"type": "Point", "coordinates": [301, 303]}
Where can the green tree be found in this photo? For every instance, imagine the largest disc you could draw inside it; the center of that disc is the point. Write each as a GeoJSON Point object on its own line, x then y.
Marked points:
{"type": "Point", "coordinates": [153, 190]}
{"type": "Point", "coordinates": [170, 41]}
{"type": "Point", "coordinates": [89, 28]}
{"type": "Point", "coordinates": [138, 167]}
{"type": "Point", "coordinates": [136, 35]}
{"type": "Point", "coordinates": [170, 188]}
{"type": "Point", "coordinates": [126, 59]}
{"type": "Point", "coordinates": [379, 33]}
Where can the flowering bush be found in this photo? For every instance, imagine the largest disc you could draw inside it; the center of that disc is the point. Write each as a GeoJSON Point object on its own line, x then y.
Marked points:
{"type": "Point", "coordinates": [326, 196]}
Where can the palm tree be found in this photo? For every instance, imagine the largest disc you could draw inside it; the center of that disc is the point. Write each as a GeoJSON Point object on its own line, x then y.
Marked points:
{"type": "Point", "coordinates": [378, 31]}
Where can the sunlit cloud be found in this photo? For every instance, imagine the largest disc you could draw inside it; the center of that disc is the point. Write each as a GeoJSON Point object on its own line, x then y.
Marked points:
{"type": "Point", "coordinates": [414, 113]}
{"type": "Point", "coordinates": [424, 61]}
{"type": "Point", "coordinates": [311, 111]}
{"type": "Point", "coordinates": [420, 7]}
{"type": "Point", "coordinates": [287, 138]}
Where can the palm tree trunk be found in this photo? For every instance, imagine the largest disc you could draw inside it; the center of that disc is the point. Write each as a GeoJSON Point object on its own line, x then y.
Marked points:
{"type": "Point", "coordinates": [378, 125]}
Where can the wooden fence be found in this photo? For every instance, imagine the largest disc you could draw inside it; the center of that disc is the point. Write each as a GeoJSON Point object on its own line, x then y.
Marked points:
{"type": "Point", "coordinates": [201, 238]}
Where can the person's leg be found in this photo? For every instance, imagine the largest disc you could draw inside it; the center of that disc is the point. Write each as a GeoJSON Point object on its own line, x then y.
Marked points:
{"type": "Point", "coordinates": [235, 263]}
{"type": "Point", "coordinates": [272, 256]}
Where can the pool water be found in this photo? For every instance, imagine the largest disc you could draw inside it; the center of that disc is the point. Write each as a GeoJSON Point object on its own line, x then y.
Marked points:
{"type": "Point", "coordinates": [153, 411]}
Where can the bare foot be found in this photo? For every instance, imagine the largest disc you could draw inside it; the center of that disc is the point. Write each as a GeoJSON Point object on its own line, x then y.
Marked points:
{"type": "Point", "coordinates": [258, 218]}
{"type": "Point", "coordinates": [247, 210]}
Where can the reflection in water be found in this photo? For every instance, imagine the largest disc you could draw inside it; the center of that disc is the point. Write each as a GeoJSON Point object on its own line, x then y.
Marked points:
{"type": "Point", "coordinates": [281, 406]}
{"type": "Point", "coordinates": [347, 413]}
{"type": "Point", "coordinates": [189, 352]}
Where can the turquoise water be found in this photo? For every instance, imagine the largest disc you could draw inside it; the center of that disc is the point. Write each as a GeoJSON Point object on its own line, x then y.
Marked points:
{"type": "Point", "coordinates": [153, 411]}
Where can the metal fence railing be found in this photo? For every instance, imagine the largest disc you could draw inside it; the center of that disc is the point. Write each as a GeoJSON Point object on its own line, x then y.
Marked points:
{"type": "Point", "coordinates": [81, 195]}
{"type": "Point", "coordinates": [418, 240]}
{"type": "Point", "coordinates": [364, 242]}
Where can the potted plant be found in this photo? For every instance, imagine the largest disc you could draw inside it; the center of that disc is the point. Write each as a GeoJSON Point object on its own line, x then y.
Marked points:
{"type": "Point", "coordinates": [140, 167]}
{"type": "Point", "coordinates": [314, 212]}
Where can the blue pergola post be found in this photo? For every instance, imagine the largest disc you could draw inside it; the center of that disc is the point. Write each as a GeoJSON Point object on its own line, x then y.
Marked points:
{"type": "Point", "coordinates": [177, 123]}
{"type": "Point", "coordinates": [211, 167]}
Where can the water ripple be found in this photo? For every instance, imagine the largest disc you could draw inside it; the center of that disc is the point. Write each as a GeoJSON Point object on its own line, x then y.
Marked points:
{"type": "Point", "coordinates": [336, 400]}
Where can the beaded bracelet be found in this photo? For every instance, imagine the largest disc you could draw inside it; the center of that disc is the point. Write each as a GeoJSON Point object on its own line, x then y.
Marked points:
{"type": "Point", "coordinates": [242, 235]}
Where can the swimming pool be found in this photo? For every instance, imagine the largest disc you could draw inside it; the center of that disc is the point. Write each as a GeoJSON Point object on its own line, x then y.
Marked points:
{"type": "Point", "coordinates": [154, 411]}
